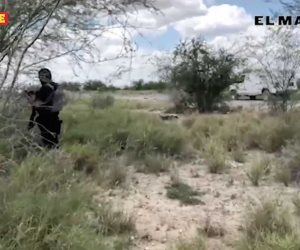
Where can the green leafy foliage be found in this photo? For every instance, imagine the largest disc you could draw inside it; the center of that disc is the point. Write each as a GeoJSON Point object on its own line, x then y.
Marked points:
{"type": "Point", "coordinates": [203, 73]}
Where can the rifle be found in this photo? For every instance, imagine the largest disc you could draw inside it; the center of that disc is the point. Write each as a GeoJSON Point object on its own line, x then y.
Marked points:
{"type": "Point", "coordinates": [32, 118]}
{"type": "Point", "coordinates": [30, 95]}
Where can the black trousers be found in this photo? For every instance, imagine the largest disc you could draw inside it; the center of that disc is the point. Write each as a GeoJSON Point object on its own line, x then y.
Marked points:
{"type": "Point", "coordinates": [50, 127]}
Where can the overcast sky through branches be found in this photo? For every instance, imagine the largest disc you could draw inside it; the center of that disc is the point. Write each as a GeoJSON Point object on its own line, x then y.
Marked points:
{"type": "Point", "coordinates": [218, 21]}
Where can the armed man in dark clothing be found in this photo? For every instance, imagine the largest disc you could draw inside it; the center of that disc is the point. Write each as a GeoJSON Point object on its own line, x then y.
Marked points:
{"type": "Point", "coordinates": [47, 120]}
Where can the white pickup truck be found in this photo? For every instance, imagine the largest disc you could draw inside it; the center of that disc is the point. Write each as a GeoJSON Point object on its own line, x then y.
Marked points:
{"type": "Point", "coordinates": [254, 86]}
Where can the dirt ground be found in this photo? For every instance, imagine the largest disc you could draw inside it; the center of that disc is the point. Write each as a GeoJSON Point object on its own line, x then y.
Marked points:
{"type": "Point", "coordinates": [245, 104]}
{"type": "Point", "coordinates": [225, 199]}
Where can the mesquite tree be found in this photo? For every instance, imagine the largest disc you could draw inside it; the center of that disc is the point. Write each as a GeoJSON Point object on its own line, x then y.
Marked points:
{"type": "Point", "coordinates": [276, 58]}
{"type": "Point", "coordinates": [42, 30]}
{"type": "Point", "coordinates": [203, 72]}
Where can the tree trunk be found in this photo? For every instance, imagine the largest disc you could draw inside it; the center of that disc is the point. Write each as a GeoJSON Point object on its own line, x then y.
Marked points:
{"type": "Point", "coordinates": [284, 102]}
{"type": "Point", "coordinates": [204, 103]}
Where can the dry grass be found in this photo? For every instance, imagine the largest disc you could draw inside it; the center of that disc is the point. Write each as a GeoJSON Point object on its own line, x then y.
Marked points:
{"type": "Point", "coordinates": [47, 202]}
{"type": "Point", "coordinates": [296, 202]}
{"type": "Point", "coordinates": [142, 105]}
{"type": "Point", "coordinates": [140, 133]}
{"type": "Point", "coordinates": [112, 173]}
{"type": "Point", "coordinates": [102, 102]}
{"type": "Point", "coordinates": [213, 230]}
{"type": "Point", "coordinates": [239, 154]}
{"type": "Point", "coordinates": [181, 191]}
{"type": "Point", "coordinates": [198, 243]}
{"type": "Point", "coordinates": [155, 164]}
{"type": "Point", "coordinates": [292, 155]}
{"type": "Point", "coordinates": [269, 227]}
{"type": "Point", "coordinates": [246, 130]}
{"type": "Point", "coordinates": [259, 169]}
{"type": "Point", "coordinates": [282, 173]}
{"type": "Point", "coordinates": [108, 221]}
{"type": "Point", "coordinates": [215, 156]}
{"type": "Point", "coordinates": [45, 205]}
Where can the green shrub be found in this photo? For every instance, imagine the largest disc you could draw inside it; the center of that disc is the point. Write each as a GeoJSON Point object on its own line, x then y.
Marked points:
{"type": "Point", "coordinates": [114, 129]}
{"type": "Point", "coordinates": [102, 102]}
{"type": "Point", "coordinates": [271, 134]}
{"type": "Point", "coordinates": [272, 242]}
{"type": "Point", "coordinates": [283, 173]}
{"type": "Point", "coordinates": [100, 128]}
{"type": "Point", "coordinates": [232, 130]}
{"type": "Point", "coordinates": [189, 122]}
{"type": "Point", "coordinates": [45, 205]}
{"type": "Point", "coordinates": [202, 73]}
{"type": "Point", "coordinates": [292, 153]}
{"type": "Point", "coordinates": [230, 136]}
{"type": "Point", "coordinates": [41, 174]}
{"type": "Point", "coordinates": [266, 219]}
{"type": "Point", "coordinates": [184, 193]}
{"type": "Point", "coordinates": [212, 230]}
{"type": "Point", "coordinates": [112, 173]}
{"type": "Point", "coordinates": [142, 105]}
{"type": "Point", "coordinates": [258, 169]}
{"type": "Point", "coordinates": [157, 137]}
{"type": "Point", "coordinates": [239, 155]}
{"type": "Point", "coordinates": [215, 156]}
{"type": "Point", "coordinates": [86, 157]}
{"type": "Point", "coordinates": [268, 227]}
{"type": "Point", "coordinates": [276, 135]}
{"type": "Point", "coordinates": [155, 164]}
{"type": "Point", "coordinates": [110, 222]}
{"type": "Point", "coordinates": [180, 101]}
{"type": "Point", "coordinates": [296, 202]}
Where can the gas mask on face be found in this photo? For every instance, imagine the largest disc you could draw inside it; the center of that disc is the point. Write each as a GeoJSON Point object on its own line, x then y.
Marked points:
{"type": "Point", "coordinates": [44, 79]}
{"type": "Point", "coordinates": [45, 76]}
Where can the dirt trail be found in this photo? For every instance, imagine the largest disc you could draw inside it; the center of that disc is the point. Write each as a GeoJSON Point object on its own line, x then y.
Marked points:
{"type": "Point", "coordinates": [145, 97]}
{"type": "Point", "coordinates": [161, 221]}
{"type": "Point", "coordinates": [244, 104]}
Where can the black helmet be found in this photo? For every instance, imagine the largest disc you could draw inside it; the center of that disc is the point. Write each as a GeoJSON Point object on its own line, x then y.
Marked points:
{"type": "Point", "coordinates": [45, 73]}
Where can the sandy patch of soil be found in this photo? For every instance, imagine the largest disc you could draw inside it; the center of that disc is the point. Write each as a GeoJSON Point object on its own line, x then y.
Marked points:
{"type": "Point", "coordinates": [225, 199]}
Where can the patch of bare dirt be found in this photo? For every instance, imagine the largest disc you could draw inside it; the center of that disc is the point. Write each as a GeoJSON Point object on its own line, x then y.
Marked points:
{"type": "Point", "coordinates": [225, 199]}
